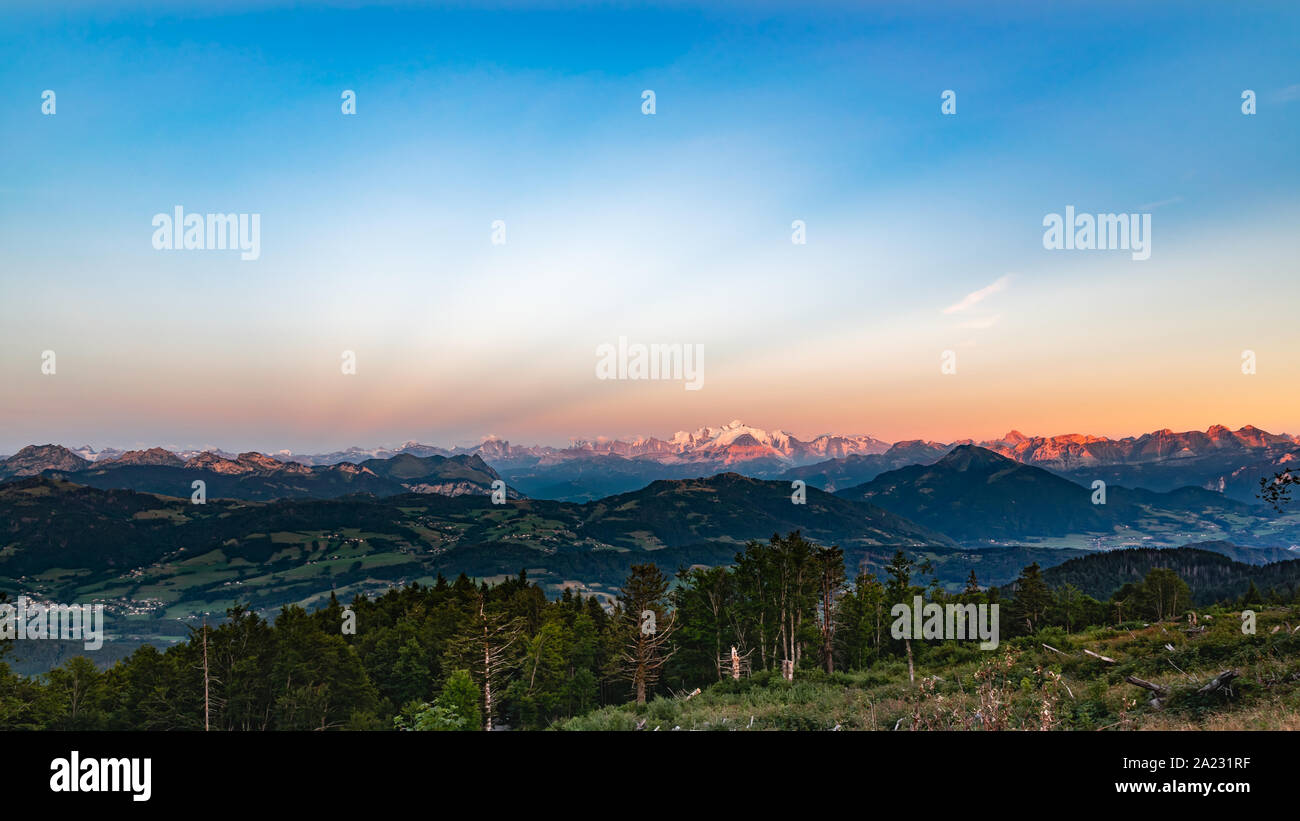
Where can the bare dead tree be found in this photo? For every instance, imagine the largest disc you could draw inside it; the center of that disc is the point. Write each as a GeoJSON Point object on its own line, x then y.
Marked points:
{"type": "Point", "coordinates": [737, 663]}
{"type": "Point", "coordinates": [206, 723]}
{"type": "Point", "coordinates": [646, 653]}
{"type": "Point", "coordinates": [209, 700]}
{"type": "Point", "coordinates": [497, 635]}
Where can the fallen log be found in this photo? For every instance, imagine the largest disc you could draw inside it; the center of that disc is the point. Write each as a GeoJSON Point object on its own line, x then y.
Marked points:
{"type": "Point", "coordinates": [1219, 682]}
{"type": "Point", "coordinates": [1273, 682]}
{"type": "Point", "coordinates": [1098, 655]}
{"type": "Point", "coordinates": [1158, 689]}
{"type": "Point", "coordinates": [1161, 692]}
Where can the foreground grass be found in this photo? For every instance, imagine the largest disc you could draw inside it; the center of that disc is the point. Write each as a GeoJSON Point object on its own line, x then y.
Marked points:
{"type": "Point", "coordinates": [1043, 682]}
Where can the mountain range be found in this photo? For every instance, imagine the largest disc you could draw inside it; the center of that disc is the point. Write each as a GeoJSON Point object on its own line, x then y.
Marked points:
{"type": "Point", "coordinates": [1162, 460]}
{"type": "Point", "coordinates": [973, 494]}
{"type": "Point", "coordinates": [254, 476]}
{"type": "Point", "coordinates": [1219, 459]}
{"type": "Point", "coordinates": [719, 447]}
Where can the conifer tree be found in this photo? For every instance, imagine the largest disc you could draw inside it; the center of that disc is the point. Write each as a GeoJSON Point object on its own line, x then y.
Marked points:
{"type": "Point", "coordinates": [1032, 598]}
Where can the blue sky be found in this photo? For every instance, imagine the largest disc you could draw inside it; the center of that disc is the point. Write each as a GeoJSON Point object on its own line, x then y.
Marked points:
{"type": "Point", "coordinates": [671, 227]}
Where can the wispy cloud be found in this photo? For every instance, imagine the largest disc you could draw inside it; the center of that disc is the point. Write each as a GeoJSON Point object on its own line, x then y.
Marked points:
{"type": "Point", "coordinates": [975, 297]}
{"type": "Point", "coordinates": [1287, 94]}
{"type": "Point", "coordinates": [1151, 206]}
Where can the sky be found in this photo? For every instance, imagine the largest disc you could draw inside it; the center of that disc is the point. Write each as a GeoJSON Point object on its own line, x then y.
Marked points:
{"type": "Point", "coordinates": [923, 230]}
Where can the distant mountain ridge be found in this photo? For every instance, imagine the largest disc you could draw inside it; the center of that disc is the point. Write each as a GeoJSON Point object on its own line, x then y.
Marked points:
{"type": "Point", "coordinates": [1218, 458]}
{"type": "Point", "coordinates": [1163, 460]}
{"type": "Point", "coordinates": [683, 510]}
{"type": "Point", "coordinates": [835, 474]}
{"type": "Point", "coordinates": [57, 523]}
{"type": "Point", "coordinates": [34, 459]}
{"type": "Point", "coordinates": [152, 456]}
{"type": "Point", "coordinates": [1072, 451]}
{"type": "Point", "coordinates": [254, 476]}
{"type": "Point", "coordinates": [733, 443]}
{"type": "Point", "coordinates": [975, 494]}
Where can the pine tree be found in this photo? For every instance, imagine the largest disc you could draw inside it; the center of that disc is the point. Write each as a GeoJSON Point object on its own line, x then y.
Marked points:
{"type": "Point", "coordinates": [900, 590]}
{"type": "Point", "coordinates": [830, 575]}
{"type": "Point", "coordinates": [1253, 596]}
{"type": "Point", "coordinates": [1032, 598]}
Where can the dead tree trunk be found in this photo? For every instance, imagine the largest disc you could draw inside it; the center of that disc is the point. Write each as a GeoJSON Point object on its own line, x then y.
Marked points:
{"type": "Point", "coordinates": [205, 678]}
{"type": "Point", "coordinates": [1158, 689]}
{"type": "Point", "coordinates": [1161, 692]}
{"type": "Point", "coordinates": [487, 667]}
{"type": "Point", "coordinates": [487, 687]}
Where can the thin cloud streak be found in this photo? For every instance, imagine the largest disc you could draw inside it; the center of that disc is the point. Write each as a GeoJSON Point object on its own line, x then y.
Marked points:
{"type": "Point", "coordinates": [975, 297]}
{"type": "Point", "coordinates": [1151, 206]}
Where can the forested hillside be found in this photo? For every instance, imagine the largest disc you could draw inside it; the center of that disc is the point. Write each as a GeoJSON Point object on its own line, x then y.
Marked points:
{"type": "Point", "coordinates": [1211, 576]}
{"type": "Point", "coordinates": [466, 655]}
